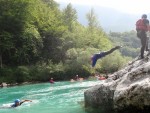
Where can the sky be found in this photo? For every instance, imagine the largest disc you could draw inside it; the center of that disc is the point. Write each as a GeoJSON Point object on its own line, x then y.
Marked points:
{"type": "Point", "coordinates": [127, 6]}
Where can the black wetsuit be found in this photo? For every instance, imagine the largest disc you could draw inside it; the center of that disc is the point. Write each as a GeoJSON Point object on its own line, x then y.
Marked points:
{"type": "Point", "coordinates": [102, 54]}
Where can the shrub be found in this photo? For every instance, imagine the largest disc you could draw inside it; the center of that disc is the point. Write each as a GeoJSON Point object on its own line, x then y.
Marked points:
{"type": "Point", "coordinates": [22, 74]}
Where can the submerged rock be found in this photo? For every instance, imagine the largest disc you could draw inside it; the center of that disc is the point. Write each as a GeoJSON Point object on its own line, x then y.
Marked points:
{"type": "Point", "coordinates": [126, 90]}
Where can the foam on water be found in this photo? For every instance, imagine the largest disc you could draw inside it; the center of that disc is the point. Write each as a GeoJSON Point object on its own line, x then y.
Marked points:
{"type": "Point", "coordinates": [61, 97]}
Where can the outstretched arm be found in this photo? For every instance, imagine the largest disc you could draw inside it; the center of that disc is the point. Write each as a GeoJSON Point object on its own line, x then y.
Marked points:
{"type": "Point", "coordinates": [25, 101]}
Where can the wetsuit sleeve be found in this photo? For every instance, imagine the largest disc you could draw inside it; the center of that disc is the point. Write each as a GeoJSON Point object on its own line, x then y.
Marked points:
{"type": "Point", "coordinates": [25, 101]}
{"type": "Point", "coordinates": [13, 105]}
{"type": "Point", "coordinates": [146, 21]}
{"type": "Point", "coordinates": [22, 102]}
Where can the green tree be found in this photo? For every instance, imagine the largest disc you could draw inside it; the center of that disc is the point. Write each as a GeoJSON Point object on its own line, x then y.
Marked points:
{"type": "Point", "coordinates": [6, 45]}
{"type": "Point", "coordinates": [92, 20]}
{"type": "Point", "coordinates": [69, 16]}
{"type": "Point", "coordinates": [12, 19]}
{"type": "Point", "coordinates": [30, 24]}
{"type": "Point", "coordinates": [129, 40]}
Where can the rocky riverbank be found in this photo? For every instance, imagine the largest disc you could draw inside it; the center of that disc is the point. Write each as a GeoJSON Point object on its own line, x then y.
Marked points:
{"type": "Point", "coordinates": [127, 90]}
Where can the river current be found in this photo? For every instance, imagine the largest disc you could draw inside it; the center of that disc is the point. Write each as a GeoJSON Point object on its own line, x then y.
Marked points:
{"type": "Point", "coordinates": [60, 97]}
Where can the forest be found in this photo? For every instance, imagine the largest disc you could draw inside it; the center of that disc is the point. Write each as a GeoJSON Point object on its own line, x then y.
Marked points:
{"type": "Point", "coordinates": [38, 41]}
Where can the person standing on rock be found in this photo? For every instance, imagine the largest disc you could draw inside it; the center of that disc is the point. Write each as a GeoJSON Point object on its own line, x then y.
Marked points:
{"type": "Point", "coordinates": [142, 26]}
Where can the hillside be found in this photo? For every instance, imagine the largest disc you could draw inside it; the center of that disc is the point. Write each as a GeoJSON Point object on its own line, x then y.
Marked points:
{"type": "Point", "coordinates": [110, 19]}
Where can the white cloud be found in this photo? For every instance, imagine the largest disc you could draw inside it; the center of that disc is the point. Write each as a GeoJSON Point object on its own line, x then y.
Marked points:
{"type": "Point", "coordinates": [128, 6]}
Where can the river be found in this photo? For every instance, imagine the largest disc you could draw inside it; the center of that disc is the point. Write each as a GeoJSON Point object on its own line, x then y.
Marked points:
{"type": "Point", "coordinates": [60, 97]}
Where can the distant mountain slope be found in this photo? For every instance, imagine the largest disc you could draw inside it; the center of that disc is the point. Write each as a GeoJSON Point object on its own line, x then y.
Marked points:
{"type": "Point", "coordinates": [110, 19]}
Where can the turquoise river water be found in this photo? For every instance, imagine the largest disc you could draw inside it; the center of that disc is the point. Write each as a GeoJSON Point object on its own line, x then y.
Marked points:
{"type": "Point", "coordinates": [61, 97]}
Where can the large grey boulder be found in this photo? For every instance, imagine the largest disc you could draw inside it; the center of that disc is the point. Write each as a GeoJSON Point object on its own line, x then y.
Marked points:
{"type": "Point", "coordinates": [127, 89]}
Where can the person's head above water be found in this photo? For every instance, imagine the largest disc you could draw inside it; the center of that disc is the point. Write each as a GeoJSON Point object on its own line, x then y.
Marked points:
{"type": "Point", "coordinates": [17, 102]}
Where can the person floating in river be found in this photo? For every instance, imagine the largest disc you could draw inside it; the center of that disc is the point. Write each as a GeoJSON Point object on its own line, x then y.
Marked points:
{"type": "Point", "coordinates": [102, 54]}
{"type": "Point", "coordinates": [51, 81]}
{"type": "Point", "coordinates": [18, 102]}
{"type": "Point", "coordinates": [76, 78]}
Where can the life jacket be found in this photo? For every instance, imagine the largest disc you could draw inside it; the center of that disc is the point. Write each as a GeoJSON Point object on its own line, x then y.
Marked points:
{"type": "Point", "coordinates": [140, 25]}
{"type": "Point", "coordinates": [51, 81]}
{"type": "Point", "coordinates": [102, 78]}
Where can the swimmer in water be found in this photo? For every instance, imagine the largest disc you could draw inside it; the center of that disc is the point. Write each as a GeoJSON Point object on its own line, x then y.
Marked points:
{"type": "Point", "coordinates": [18, 102]}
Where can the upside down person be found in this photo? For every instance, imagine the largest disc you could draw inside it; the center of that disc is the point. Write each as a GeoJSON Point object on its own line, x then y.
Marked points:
{"type": "Point", "coordinates": [102, 54]}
